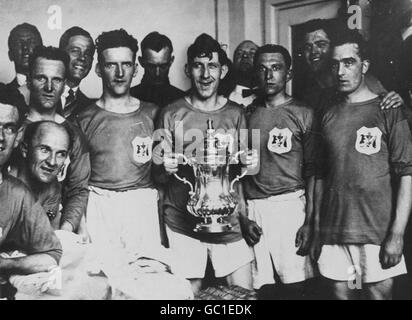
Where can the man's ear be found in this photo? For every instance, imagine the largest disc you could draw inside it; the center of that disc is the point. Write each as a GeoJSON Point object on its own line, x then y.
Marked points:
{"type": "Point", "coordinates": [11, 58]}
{"type": "Point", "coordinates": [18, 139]}
{"type": "Point", "coordinates": [187, 70]}
{"type": "Point", "coordinates": [172, 59]}
{"type": "Point", "coordinates": [136, 69]}
{"type": "Point", "coordinates": [365, 66]}
{"type": "Point", "coordinates": [289, 75]}
{"type": "Point", "coordinates": [97, 70]}
{"type": "Point", "coordinates": [225, 70]}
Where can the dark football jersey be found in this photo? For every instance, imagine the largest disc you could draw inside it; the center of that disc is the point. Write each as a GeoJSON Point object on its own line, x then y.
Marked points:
{"type": "Point", "coordinates": [120, 146]}
{"type": "Point", "coordinates": [363, 148]}
{"type": "Point", "coordinates": [287, 149]}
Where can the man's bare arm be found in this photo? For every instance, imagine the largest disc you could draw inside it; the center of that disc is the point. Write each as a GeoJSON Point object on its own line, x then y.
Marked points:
{"type": "Point", "coordinates": [317, 204]}
{"type": "Point", "coordinates": [39, 262]}
{"type": "Point", "coordinates": [392, 246]}
{"type": "Point", "coordinates": [305, 232]}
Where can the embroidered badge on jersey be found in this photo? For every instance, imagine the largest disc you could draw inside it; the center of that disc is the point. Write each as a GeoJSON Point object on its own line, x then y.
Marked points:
{"type": "Point", "coordinates": [63, 171]}
{"type": "Point", "coordinates": [368, 140]}
{"type": "Point", "coordinates": [142, 149]}
{"type": "Point", "coordinates": [280, 140]}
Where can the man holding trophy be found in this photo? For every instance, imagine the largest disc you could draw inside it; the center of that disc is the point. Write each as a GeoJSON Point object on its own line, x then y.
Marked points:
{"type": "Point", "coordinates": [209, 126]}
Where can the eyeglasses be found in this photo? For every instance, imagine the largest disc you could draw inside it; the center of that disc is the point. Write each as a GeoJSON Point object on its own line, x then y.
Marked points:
{"type": "Point", "coordinates": [9, 128]}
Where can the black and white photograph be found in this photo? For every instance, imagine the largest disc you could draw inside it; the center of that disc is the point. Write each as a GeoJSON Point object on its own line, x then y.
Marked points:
{"type": "Point", "coordinates": [217, 151]}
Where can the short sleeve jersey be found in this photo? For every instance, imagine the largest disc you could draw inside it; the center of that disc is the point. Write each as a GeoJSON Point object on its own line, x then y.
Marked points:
{"type": "Point", "coordinates": [180, 118]}
{"type": "Point", "coordinates": [363, 148]}
{"type": "Point", "coordinates": [120, 146]}
{"type": "Point", "coordinates": [286, 149]}
{"type": "Point", "coordinates": [24, 225]}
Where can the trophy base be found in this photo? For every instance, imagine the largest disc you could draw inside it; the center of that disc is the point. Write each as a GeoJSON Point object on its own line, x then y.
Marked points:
{"type": "Point", "coordinates": [213, 226]}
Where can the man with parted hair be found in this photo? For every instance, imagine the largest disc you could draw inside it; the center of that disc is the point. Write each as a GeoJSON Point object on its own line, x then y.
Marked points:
{"type": "Point", "coordinates": [364, 192]}
{"type": "Point", "coordinates": [22, 40]}
{"type": "Point", "coordinates": [320, 88]}
{"type": "Point", "coordinates": [46, 79]}
{"type": "Point", "coordinates": [156, 60]}
{"type": "Point", "coordinates": [79, 45]}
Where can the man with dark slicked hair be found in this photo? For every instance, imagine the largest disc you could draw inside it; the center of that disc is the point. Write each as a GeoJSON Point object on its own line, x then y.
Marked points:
{"type": "Point", "coordinates": [280, 195]}
{"type": "Point", "coordinates": [21, 42]}
{"type": "Point", "coordinates": [79, 45]}
{"type": "Point", "coordinates": [156, 60]}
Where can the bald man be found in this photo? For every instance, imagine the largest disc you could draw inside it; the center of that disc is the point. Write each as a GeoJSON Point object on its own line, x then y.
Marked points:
{"type": "Point", "coordinates": [45, 147]}
{"type": "Point", "coordinates": [23, 223]}
{"type": "Point", "coordinates": [243, 73]}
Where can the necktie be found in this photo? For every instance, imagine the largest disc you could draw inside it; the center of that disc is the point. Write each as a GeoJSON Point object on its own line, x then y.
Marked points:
{"type": "Point", "coordinates": [70, 98]}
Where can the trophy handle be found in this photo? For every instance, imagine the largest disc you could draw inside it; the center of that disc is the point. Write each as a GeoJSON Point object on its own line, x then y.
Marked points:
{"type": "Point", "coordinates": [184, 180]}
{"type": "Point", "coordinates": [238, 177]}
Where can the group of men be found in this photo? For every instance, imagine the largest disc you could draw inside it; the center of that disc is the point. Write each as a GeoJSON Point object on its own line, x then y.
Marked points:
{"type": "Point", "coordinates": [330, 190]}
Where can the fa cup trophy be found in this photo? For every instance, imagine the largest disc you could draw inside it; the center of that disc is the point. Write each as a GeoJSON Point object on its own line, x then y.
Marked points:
{"type": "Point", "coordinates": [212, 198]}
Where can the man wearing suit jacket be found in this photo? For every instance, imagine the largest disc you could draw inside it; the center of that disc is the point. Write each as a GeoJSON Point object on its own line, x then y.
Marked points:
{"type": "Point", "coordinates": [79, 45]}
{"type": "Point", "coordinates": [22, 40]}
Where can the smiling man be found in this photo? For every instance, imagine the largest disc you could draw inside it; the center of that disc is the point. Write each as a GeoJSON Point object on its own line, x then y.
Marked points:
{"type": "Point", "coordinates": [366, 183]}
{"type": "Point", "coordinates": [321, 87]}
{"type": "Point", "coordinates": [23, 222]}
{"type": "Point", "coordinates": [79, 45]}
{"type": "Point", "coordinates": [47, 76]}
{"type": "Point", "coordinates": [206, 67]}
{"type": "Point", "coordinates": [156, 60]}
{"type": "Point", "coordinates": [45, 148]}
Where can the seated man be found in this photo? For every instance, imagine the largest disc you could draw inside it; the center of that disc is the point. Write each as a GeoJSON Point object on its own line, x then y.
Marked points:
{"type": "Point", "coordinates": [23, 222]}
{"type": "Point", "coordinates": [45, 147]}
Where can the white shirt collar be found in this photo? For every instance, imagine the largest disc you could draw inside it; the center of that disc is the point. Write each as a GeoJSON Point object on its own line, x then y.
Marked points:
{"type": "Point", "coordinates": [21, 79]}
{"type": "Point", "coordinates": [407, 33]}
{"type": "Point", "coordinates": [67, 88]}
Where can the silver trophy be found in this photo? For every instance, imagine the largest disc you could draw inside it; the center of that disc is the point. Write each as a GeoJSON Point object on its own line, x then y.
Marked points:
{"type": "Point", "coordinates": [212, 198]}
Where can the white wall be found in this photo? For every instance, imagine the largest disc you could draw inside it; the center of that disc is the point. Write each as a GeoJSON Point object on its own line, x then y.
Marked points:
{"type": "Point", "coordinates": [181, 20]}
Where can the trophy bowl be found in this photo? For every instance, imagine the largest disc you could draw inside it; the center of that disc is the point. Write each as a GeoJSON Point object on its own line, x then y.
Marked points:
{"type": "Point", "coordinates": [212, 198]}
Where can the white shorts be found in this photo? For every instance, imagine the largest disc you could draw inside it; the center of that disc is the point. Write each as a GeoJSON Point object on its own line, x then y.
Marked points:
{"type": "Point", "coordinates": [280, 217]}
{"type": "Point", "coordinates": [346, 262]}
{"type": "Point", "coordinates": [190, 256]}
{"type": "Point", "coordinates": [122, 224]}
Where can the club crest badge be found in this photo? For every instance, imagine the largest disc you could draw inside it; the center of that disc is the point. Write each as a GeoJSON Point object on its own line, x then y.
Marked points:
{"type": "Point", "coordinates": [63, 171]}
{"type": "Point", "coordinates": [280, 140]}
{"type": "Point", "coordinates": [142, 149]}
{"type": "Point", "coordinates": [368, 140]}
